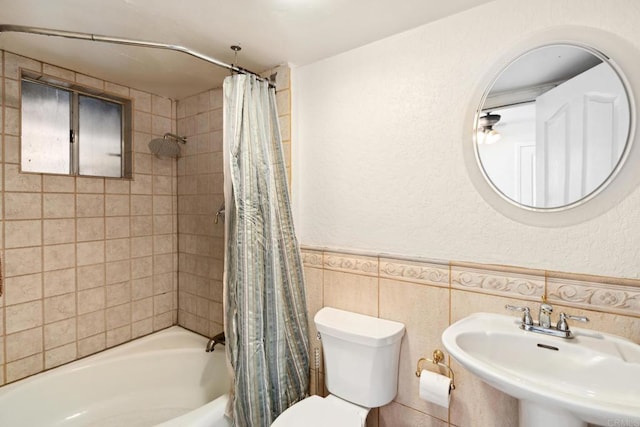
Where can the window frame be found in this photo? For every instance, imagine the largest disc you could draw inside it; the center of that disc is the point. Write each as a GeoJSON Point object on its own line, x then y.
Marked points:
{"type": "Point", "coordinates": [75, 91]}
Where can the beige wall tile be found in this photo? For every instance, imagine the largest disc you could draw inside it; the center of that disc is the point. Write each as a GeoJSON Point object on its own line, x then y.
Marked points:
{"type": "Point", "coordinates": [11, 148]}
{"type": "Point", "coordinates": [424, 310]}
{"type": "Point", "coordinates": [117, 227]}
{"type": "Point", "coordinates": [426, 273]}
{"type": "Point", "coordinates": [58, 224]}
{"type": "Point", "coordinates": [90, 324]}
{"type": "Point", "coordinates": [116, 89]}
{"type": "Point", "coordinates": [311, 258]}
{"type": "Point", "coordinates": [142, 327]}
{"type": "Point", "coordinates": [117, 186]}
{"type": "Point", "coordinates": [118, 249]}
{"type": "Point", "coordinates": [141, 205]}
{"type": "Point", "coordinates": [141, 100]}
{"type": "Point", "coordinates": [57, 257]}
{"type": "Point", "coordinates": [90, 185]}
{"type": "Point", "coordinates": [351, 292]}
{"type": "Point", "coordinates": [18, 234]}
{"type": "Point", "coordinates": [474, 402]}
{"type": "Point", "coordinates": [60, 355]}
{"type": "Point", "coordinates": [59, 282]}
{"type": "Point", "coordinates": [21, 289]}
{"type": "Point", "coordinates": [12, 121]}
{"type": "Point", "coordinates": [26, 206]}
{"type": "Point", "coordinates": [116, 205]}
{"type": "Point", "coordinates": [58, 184]}
{"type": "Point", "coordinates": [118, 294]}
{"type": "Point", "coordinates": [510, 283]}
{"type": "Point", "coordinates": [59, 307]}
{"type": "Point", "coordinates": [90, 253]}
{"type": "Point", "coordinates": [91, 300]}
{"type": "Point", "coordinates": [57, 205]}
{"type": "Point", "coordinates": [118, 336]}
{"type": "Point", "coordinates": [12, 93]}
{"type": "Point", "coordinates": [56, 231]}
{"type": "Point", "coordinates": [118, 271]}
{"type": "Point", "coordinates": [91, 345]}
{"type": "Point", "coordinates": [60, 333]}
{"type": "Point", "coordinates": [88, 229]}
{"type": "Point", "coordinates": [23, 316]}
{"type": "Point", "coordinates": [162, 303]}
{"type": "Point", "coordinates": [164, 320]}
{"type": "Point", "coordinates": [141, 309]}
{"type": "Point", "coordinates": [91, 276]}
{"type": "Point", "coordinates": [24, 367]}
{"type": "Point", "coordinates": [90, 205]}
{"type": "Point", "coordinates": [88, 81]}
{"type": "Point", "coordinates": [141, 288]}
{"type": "Point", "coordinates": [595, 295]}
{"type": "Point", "coordinates": [356, 264]}
{"type": "Point", "coordinates": [118, 316]}
{"type": "Point", "coordinates": [23, 344]}
{"type": "Point", "coordinates": [22, 261]}
{"type": "Point", "coordinates": [395, 415]}
{"type": "Point", "coordinates": [16, 181]}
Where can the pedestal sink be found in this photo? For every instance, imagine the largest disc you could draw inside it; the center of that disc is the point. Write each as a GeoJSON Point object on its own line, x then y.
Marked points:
{"type": "Point", "coordinates": [592, 378]}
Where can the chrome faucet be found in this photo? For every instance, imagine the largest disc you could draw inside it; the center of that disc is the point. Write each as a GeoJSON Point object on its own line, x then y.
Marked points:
{"type": "Point", "coordinates": [544, 315]}
{"type": "Point", "coordinates": [543, 325]}
{"type": "Point", "coordinates": [217, 339]}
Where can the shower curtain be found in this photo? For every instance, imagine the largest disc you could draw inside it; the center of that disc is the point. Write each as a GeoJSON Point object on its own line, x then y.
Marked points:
{"type": "Point", "coordinates": [265, 307]}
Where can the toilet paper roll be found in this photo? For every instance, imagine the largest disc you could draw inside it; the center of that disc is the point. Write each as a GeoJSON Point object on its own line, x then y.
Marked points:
{"type": "Point", "coordinates": [435, 388]}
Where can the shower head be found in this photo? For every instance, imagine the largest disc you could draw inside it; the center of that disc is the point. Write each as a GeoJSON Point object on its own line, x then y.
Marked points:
{"type": "Point", "coordinates": [167, 146]}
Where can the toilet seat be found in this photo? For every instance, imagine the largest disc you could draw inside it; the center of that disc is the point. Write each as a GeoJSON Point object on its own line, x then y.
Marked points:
{"type": "Point", "coordinates": [314, 411]}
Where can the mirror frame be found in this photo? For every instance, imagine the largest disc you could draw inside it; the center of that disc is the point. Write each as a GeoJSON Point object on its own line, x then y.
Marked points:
{"type": "Point", "coordinates": [620, 55]}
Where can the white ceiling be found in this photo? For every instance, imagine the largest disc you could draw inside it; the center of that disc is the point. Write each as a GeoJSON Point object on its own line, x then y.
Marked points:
{"type": "Point", "coordinates": [270, 32]}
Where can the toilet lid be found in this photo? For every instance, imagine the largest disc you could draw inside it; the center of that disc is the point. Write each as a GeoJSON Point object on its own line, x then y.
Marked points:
{"type": "Point", "coordinates": [315, 411]}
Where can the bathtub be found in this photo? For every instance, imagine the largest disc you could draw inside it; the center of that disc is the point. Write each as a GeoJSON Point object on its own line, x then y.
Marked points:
{"type": "Point", "coordinates": [164, 379]}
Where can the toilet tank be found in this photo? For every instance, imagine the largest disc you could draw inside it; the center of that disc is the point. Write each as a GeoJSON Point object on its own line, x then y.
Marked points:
{"type": "Point", "coordinates": [361, 355]}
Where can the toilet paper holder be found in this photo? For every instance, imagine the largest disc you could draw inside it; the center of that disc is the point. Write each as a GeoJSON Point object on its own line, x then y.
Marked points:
{"type": "Point", "coordinates": [436, 359]}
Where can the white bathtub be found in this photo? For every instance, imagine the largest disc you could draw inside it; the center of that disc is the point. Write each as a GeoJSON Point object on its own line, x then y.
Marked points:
{"type": "Point", "coordinates": [164, 379]}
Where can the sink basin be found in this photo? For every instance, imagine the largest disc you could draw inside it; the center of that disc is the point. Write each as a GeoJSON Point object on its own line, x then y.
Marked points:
{"type": "Point", "coordinates": [593, 378]}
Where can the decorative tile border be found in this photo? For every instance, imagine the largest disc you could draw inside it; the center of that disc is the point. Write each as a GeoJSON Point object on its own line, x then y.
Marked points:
{"type": "Point", "coordinates": [416, 272]}
{"type": "Point", "coordinates": [503, 283]}
{"type": "Point", "coordinates": [607, 294]}
{"type": "Point", "coordinates": [311, 258]}
{"type": "Point", "coordinates": [595, 295]}
{"type": "Point", "coordinates": [351, 263]}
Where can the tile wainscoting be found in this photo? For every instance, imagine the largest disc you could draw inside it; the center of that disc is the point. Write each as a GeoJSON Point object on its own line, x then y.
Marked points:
{"type": "Point", "coordinates": [429, 295]}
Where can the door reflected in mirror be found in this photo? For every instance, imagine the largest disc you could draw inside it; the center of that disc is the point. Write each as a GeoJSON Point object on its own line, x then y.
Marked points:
{"type": "Point", "coordinates": [553, 127]}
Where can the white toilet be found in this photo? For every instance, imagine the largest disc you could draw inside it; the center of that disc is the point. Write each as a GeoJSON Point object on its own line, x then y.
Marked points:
{"type": "Point", "coordinates": [361, 355]}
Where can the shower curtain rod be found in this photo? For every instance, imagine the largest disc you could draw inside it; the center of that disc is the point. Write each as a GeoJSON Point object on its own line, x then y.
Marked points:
{"type": "Point", "coordinates": [129, 42]}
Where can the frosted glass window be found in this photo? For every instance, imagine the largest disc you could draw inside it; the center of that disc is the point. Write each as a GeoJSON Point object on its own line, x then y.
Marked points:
{"type": "Point", "coordinates": [99, 137]}
{"type": "Point", "coordinates": [67, 131]}
{"type": "Point", "coordinates": [46, 124]}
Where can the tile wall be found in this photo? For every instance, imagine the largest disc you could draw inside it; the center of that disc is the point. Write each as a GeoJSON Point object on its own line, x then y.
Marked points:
{"type": "Point", "coordinates": [201, 195]}
{"type": "Point", "coordinates": [88, 263]}
{"type": "Point", "coordinates": [427, 296]}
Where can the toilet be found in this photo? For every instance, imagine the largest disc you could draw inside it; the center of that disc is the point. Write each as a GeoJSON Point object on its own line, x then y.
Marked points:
{"type": "Point", "coordinates": [361, 355]}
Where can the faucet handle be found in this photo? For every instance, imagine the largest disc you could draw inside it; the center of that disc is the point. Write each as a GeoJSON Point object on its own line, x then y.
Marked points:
{"type": "Point", "coordinates": [526, 316]}
{"type": "Point", "coordinates": [562, 322]}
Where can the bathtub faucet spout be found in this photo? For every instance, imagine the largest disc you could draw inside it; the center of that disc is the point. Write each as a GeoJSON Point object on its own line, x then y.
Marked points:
{"type": "Point", "coordinates": [217, 339]}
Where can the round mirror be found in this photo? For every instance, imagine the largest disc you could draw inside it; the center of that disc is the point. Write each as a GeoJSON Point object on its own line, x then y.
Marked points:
{"type": "Point", "coordinates": [553, 127]}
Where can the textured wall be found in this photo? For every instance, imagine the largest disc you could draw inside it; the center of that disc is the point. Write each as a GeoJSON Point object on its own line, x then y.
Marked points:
{"type": "Point", "coordinates": [379, 165]}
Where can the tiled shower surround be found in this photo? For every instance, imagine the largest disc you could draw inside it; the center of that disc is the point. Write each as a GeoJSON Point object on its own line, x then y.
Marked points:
{"type": "Point", "coordinates": [87, 263]}
{"type": "Point", "coordinates": [201, 196]}
{"type": "Point", "coordinates": [428, 295]}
